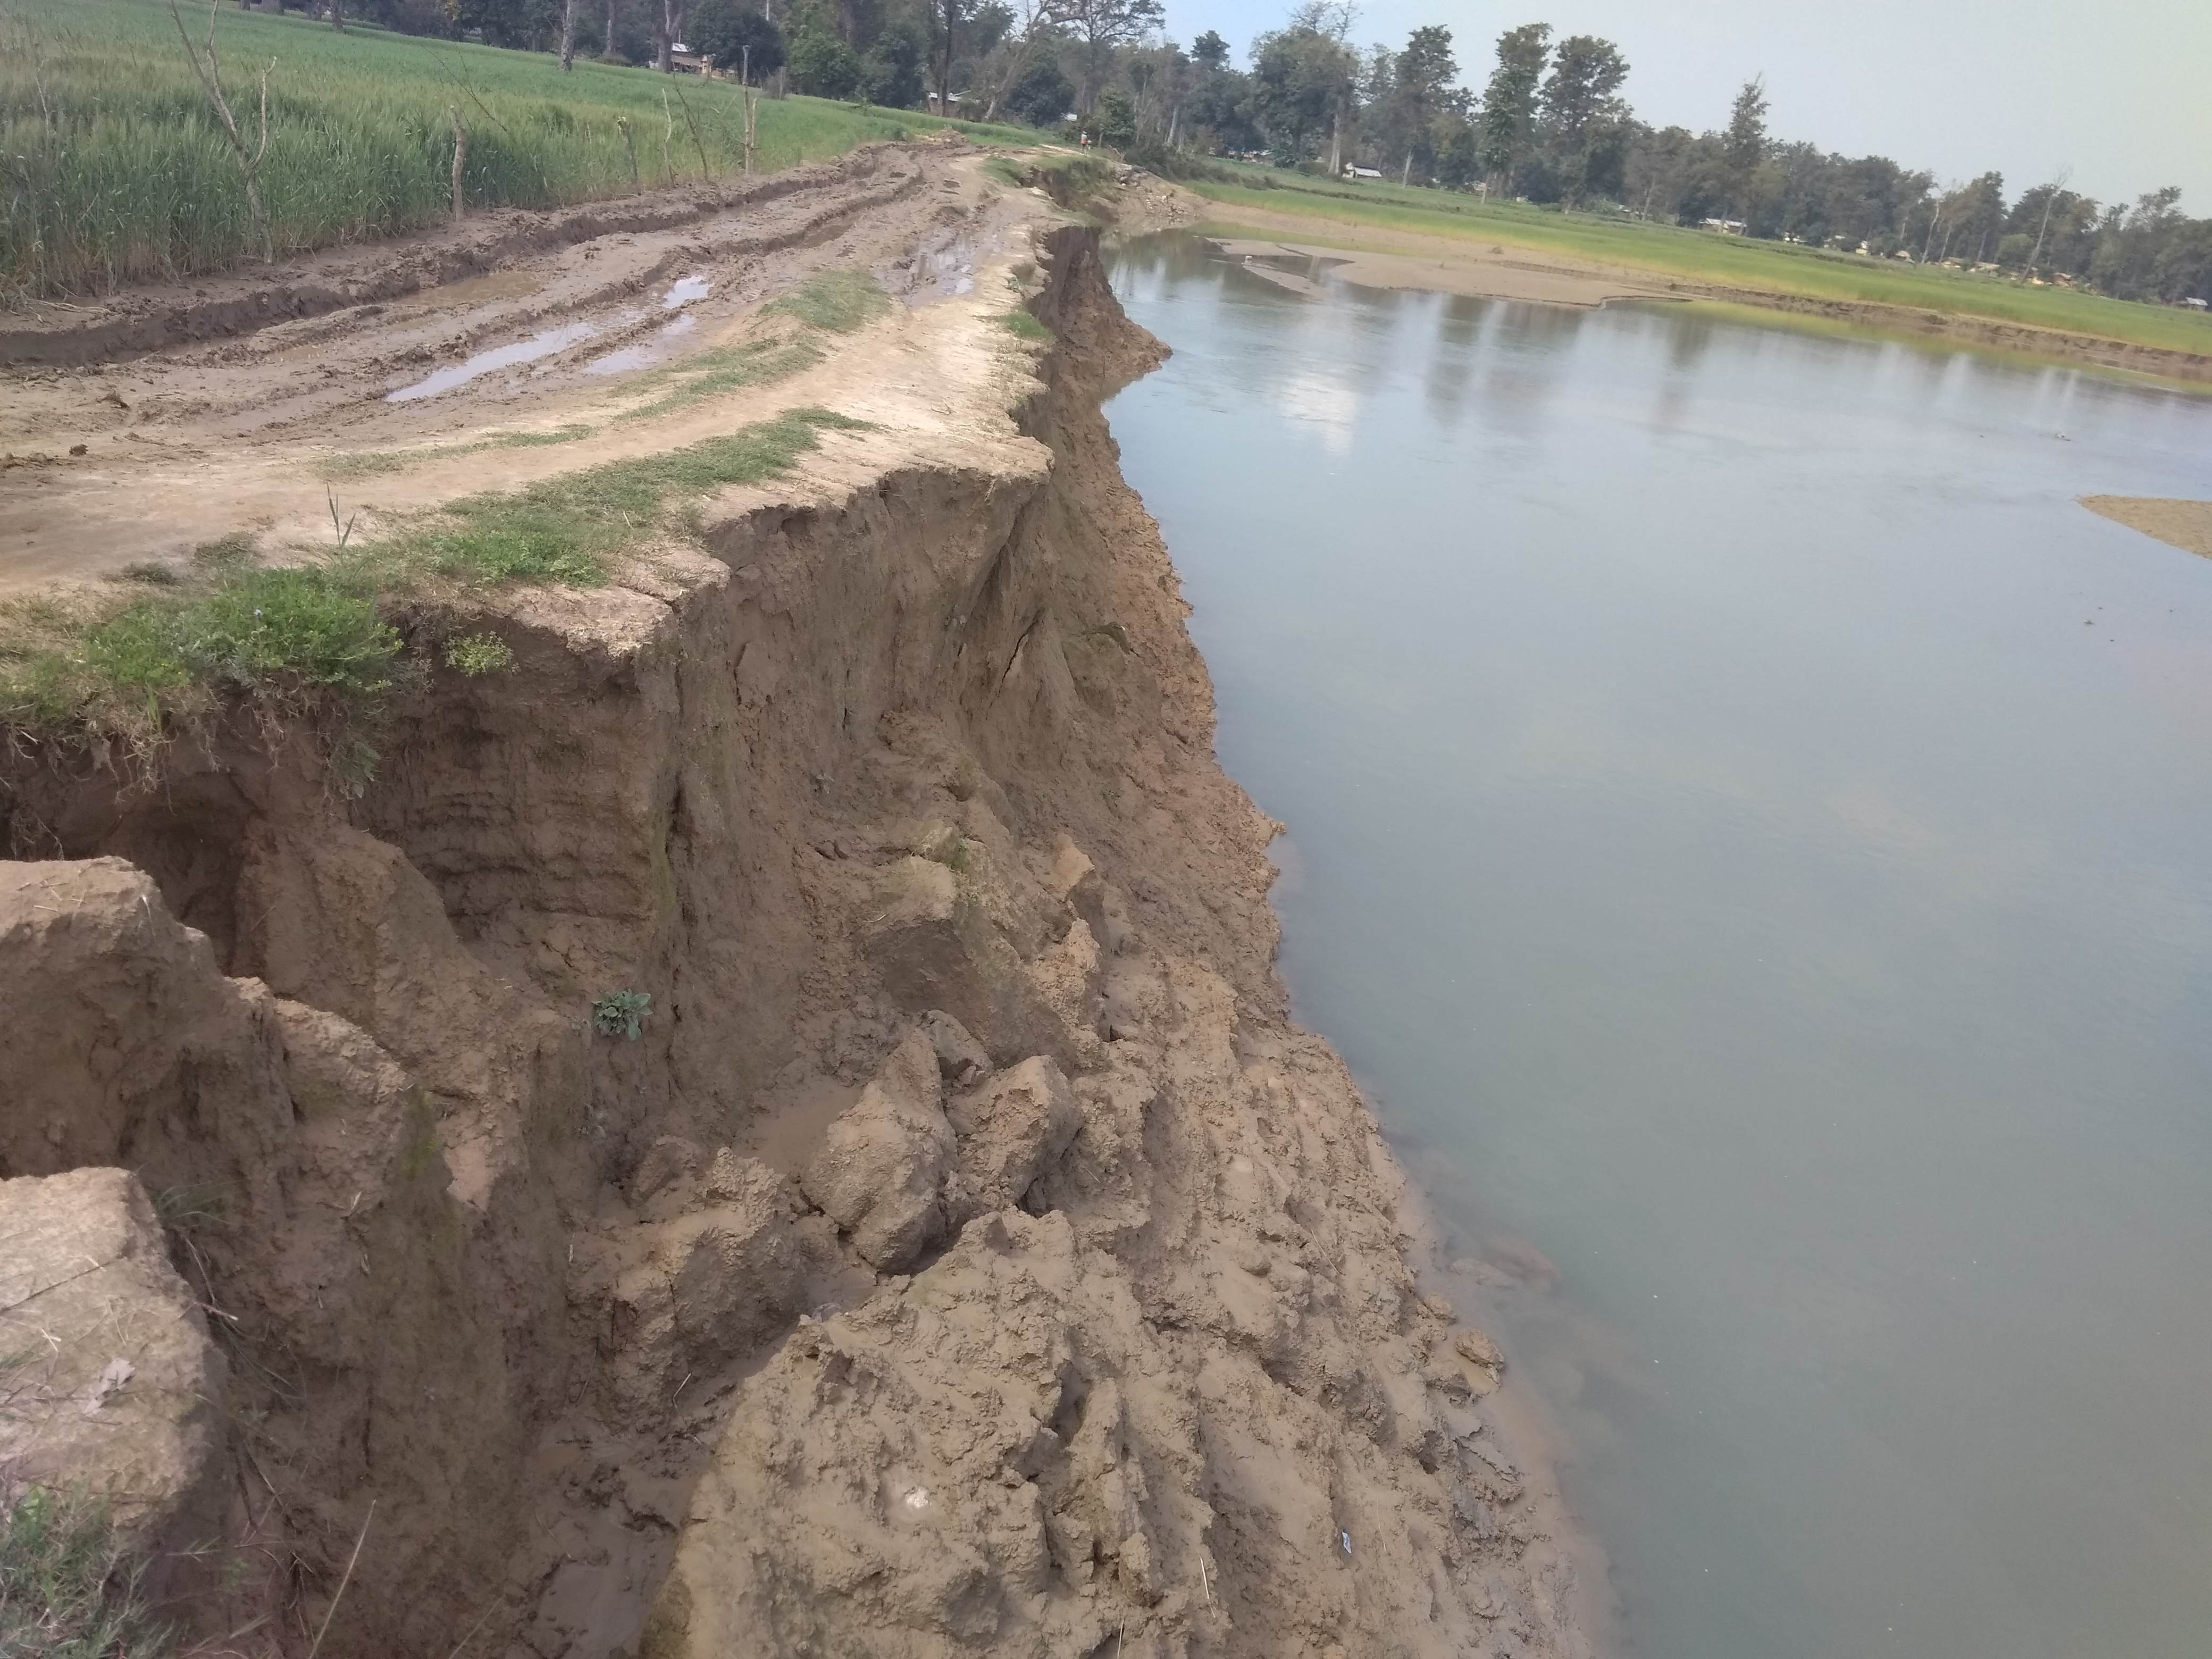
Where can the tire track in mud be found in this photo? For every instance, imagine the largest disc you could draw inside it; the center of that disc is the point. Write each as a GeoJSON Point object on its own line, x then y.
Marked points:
{"type": "Point", "coordinates": [142, 322]}
{"type": "Point", "coordinates": [147, 455]}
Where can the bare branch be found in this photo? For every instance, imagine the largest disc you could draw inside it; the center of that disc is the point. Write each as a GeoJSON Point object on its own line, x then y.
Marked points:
{"type": "Point", "coordinates": [208, 66]}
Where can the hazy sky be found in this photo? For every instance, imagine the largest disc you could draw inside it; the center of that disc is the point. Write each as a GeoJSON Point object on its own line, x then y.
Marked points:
{"type": "Point", "coordinates": [2121, 90]}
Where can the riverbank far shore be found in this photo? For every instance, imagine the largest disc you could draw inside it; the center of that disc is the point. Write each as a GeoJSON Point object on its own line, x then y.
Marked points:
{"type": "Point", "coordinates": [1484, 260]}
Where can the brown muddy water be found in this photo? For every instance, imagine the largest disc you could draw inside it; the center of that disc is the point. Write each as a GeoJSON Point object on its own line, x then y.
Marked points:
{"type": "Point", "coordinates": [1751, 830]}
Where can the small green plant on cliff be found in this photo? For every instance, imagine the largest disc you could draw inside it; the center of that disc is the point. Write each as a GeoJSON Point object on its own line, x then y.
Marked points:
{"type": "Point", "coordinates": [952, 853]}
{"type": "Point", "coordinates": [478, 654]}
{"type": "Point", "coordinates": [1023, 326]}
{"type": "Point", "coordinates": [621, 1013]}
{"type": "Point", "coordinates": [66, 1591]}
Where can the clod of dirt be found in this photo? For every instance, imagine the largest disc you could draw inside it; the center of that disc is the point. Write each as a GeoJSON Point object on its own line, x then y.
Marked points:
{"type": "Point", "coordinates": [112, 1385]}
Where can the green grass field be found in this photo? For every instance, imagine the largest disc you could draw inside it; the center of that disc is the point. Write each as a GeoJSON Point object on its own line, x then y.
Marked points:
{"type": "Point", "coordinates": [1702, 257]}
{"type": "Point", "coordinates": [117, 171]}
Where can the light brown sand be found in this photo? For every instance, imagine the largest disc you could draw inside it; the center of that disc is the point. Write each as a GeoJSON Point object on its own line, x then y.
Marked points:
{"type": "Point", "coordinates": [1494, 275]}
{"type": "Point", "coordinates": [2185, 524]}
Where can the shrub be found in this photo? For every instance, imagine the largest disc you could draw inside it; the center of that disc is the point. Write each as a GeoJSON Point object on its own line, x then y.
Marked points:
{"type": "Point", "coordinates": [478, 654]}
{"type": "Point", "coordinates": [621, 1013]}
{"type": "Point", "coordinates": [823, 64]}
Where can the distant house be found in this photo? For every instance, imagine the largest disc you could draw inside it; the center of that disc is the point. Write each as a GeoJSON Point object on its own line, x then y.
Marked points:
{"type": "Point", "coordinates": [2194, 303]}
{"type": "Point", "coordinates": [1363, 172]}
{"type": "Point", "coordinates": [1726, 227]}
{"type": "Point", "coordinates": [1904, 254]}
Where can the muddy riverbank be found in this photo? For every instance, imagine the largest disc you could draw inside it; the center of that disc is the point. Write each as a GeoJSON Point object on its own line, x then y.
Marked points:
{"type": "Point", "coordinates": [768, 1121]}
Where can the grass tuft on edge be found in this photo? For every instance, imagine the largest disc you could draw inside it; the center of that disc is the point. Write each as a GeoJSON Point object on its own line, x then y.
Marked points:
{"type": "Point", "coordinates": [839, 300]}
{"type": "Point", "coordinates": [370, 463]}
{"type": "Point", "coordinates": [730, 368]}
{"type": "Point", "coordinates": [568, 529]}
{"type": "Point", "coordinates": [311, 639]}
{"type": "Point", "coordinates": [66, 1590]}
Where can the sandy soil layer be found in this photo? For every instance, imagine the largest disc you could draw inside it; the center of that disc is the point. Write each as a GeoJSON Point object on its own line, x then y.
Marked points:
{"type": "Point", "coordinates": [1490, 279]}
{"type": "Point", "coordinates": [2183, 524]}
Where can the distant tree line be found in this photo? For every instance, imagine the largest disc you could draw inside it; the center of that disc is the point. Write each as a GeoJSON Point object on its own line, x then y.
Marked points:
{"type": "Point", "coordinates": [1549, 123]}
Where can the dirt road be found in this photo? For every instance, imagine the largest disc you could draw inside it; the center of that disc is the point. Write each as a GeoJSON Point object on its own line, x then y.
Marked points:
{"type": "Point", "coordinates": [136, 429]}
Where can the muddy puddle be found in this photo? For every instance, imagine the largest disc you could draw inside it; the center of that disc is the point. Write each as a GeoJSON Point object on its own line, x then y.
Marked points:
{"type": "Point", "coordinates": [472, 290]}
{"type": "Point", "coordinates": [685, 290]}
{"type": "Point", "coordinates": [542, 345]}
{"type": "Point", "coordinates": [646, 353]}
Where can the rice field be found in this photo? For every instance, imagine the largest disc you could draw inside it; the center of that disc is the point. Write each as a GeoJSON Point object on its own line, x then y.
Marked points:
{"type": "Point", "coordinates": [1701, 256]}
{"type": "Point", "coordinates": [117, 170]}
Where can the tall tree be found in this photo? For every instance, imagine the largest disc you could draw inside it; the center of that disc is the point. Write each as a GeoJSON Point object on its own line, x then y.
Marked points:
{"type": "Point", "coordinates": [1031, 28]}
{"type": "Point", "coordinates": [1304, 80]}
{"type": "Point", "coordinates": [1103, 27]}
{"type": "Point", "coordinates": [1420, 77]}
{"type": "Point", "coordinates": [944, 28]}
{"type": "Point", "coordinates": [1585, 117]}
{"type": "Point", "coordinates": [732, 35]}
{"type": "Point", "coordinates": [1210, 51]}
{"type": "Point", "coordinates": [1744, 144]}
{"type": "Point", "coordinates": [2027, 204]}
{"type": "Point", "coordinates": [1509, 102]}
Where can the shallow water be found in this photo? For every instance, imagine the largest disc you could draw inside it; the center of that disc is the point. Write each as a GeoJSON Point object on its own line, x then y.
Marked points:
{"type": "Point", "coordinates": [624, 360]}
{"type": "Point", "coordinates": [1753, 832]}
{"type": "Point", "coordinates": [543, 343]}
{"type": "Point", "coordinates": [684, 289]}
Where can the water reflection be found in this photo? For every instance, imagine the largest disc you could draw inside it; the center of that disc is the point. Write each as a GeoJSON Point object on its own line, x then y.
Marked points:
{"type": "Point", "coordinates": [541, 344]}
{"type": "Point", "coordinates": [1751, 829]}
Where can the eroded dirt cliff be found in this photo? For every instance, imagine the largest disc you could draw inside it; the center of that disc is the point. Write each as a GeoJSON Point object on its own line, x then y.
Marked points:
{"type": "Point", "coordinates": [966, 1255]}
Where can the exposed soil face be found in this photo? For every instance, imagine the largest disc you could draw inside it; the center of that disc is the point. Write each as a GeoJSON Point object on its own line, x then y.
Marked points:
{"type": "Point", "coordinates": [966, 1256]}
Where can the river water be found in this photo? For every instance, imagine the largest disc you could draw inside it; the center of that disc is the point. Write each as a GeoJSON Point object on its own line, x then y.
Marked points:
{"type": "Point", "coordinates": [1751, 832]}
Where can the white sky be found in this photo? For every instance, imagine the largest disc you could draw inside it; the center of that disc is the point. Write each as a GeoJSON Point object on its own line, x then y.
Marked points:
{"type": "Point", "coordinates": [2121, 90]}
